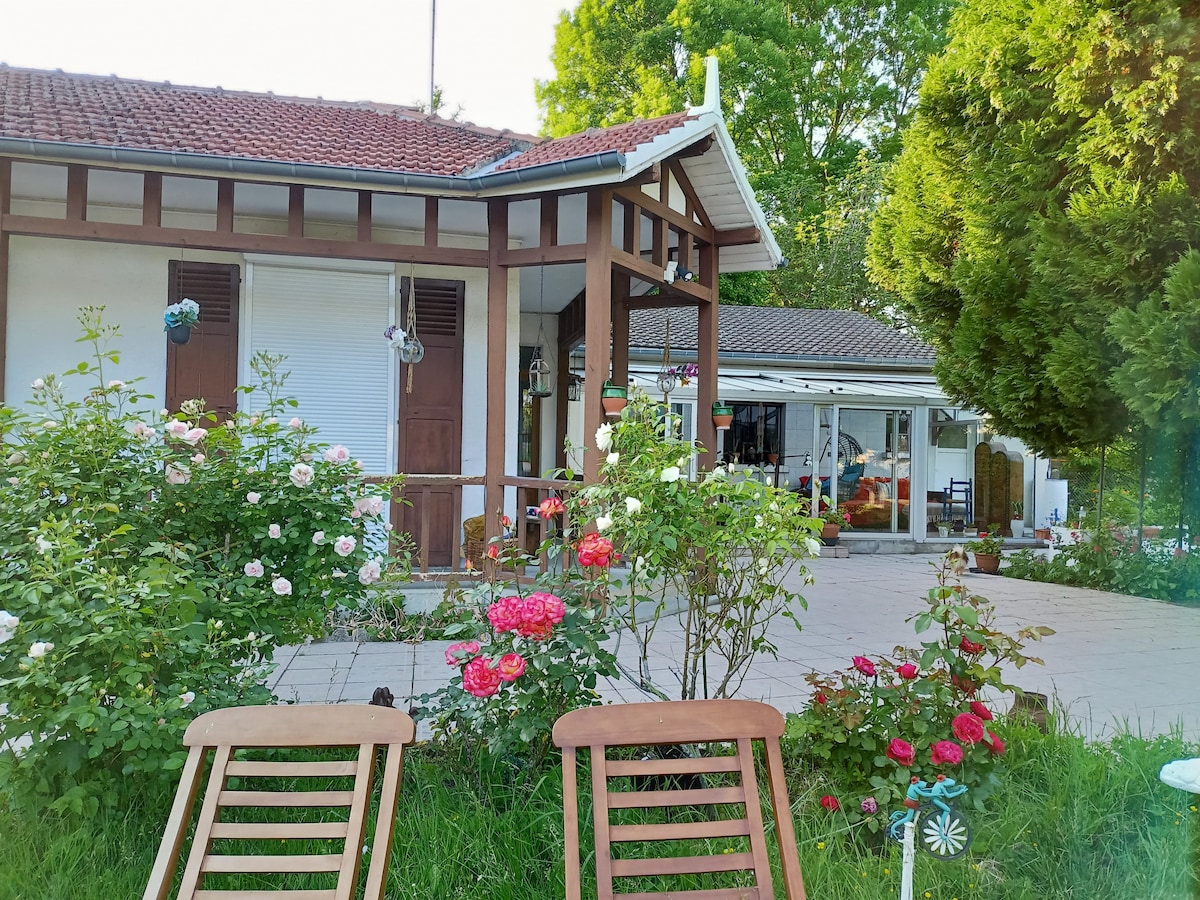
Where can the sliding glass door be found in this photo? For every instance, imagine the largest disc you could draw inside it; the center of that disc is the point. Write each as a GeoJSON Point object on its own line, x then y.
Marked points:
{"type": "Point", "coordinates": [864, 461]}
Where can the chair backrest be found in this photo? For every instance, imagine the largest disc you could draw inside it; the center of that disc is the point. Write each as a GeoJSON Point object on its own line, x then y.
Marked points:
{"type": "Point", "coordinates": [660, 784]}
{"type": "Point", "coordinates": [284, 801]}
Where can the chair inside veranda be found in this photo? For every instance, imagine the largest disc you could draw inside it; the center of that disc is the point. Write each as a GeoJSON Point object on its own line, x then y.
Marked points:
{"type": "Point", "coordinates": [285, 803]}
{"type": "Point", "coordinates": [676, 806]}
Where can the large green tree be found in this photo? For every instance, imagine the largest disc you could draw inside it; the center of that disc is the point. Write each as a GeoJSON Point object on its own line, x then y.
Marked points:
{"type": "Point", "coordinates": [806, 87]}
{"type": "Point", "coordinates": [1050, 179]}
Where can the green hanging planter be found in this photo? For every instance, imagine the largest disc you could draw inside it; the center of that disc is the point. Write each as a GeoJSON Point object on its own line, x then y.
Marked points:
{"type": "Point", "coordinates": [722, 414]}
{"type": "Point", "coordinates": [614, 398]}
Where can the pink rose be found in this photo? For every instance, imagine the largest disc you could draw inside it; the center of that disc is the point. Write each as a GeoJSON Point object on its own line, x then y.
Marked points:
{"type": "Point", "coordinates": [968, 728]}
{"type": "Point", "coordinates": [294, 422]}
{"type": "Point", "coordinates": [301, 475]}
{"type": "Point", "coordinates": [368, 506]}
{"type": "Point", "coordinates": [506, 614]}
{"type": "Point", "coordinates": [555, 608]}
{"type": "Point", "coordinates": [479, 678]}
{"type": "Point", "coordinates": [870, 806]}
{"type": "Point", "coordinates": [177, 474]}
{"type": "Point", "coordinates": [281, 586]}
{"type": "Point", "coordinates": [318, 536]}
{"type": "Point", "coordinates": [344, 545]}
{"type": "Point", "coordinates": [864, 665]}
{"type": "Point", "coordinates": [945, 753]}
{"type": "Point", "coordinates": [369, 572]}
{"type": "Point", "coordinates": [511, 667]}
{"type": "Point", "coordinates": [470, 648]}
{"type": "Point", "coordinates": [273, 530]}
{"type": "Point", "coordinates": [143, 431]}
{"type": "Point", "coordinates": [193, 436]}
{"type": "Point", "coordinates": [337, 454]}
{"type": "Point", "coordinates": [908, 671]}
{"type": "Point", "coordinates": [901, 751]}
{"type": "Point", "coordinates": [551, 507]}
{"type": "Point", "coordinates": [995, 745]}
{"type": "Point", "coordinates": [175, 428]}
{"type": "Point", "coordinates": [253, 569]}
{"type": "Point", "coordinates": [253, 497]}
{"type": "Point", "coordinates": [980, 710]}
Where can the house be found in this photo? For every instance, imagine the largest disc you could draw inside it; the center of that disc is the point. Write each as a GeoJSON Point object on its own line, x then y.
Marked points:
{"type": "Point", "coordinates": [307, 227]}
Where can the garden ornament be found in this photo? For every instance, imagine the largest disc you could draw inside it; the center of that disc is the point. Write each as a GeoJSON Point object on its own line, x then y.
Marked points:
{"type": "Point", "coordinates": [945, 832]}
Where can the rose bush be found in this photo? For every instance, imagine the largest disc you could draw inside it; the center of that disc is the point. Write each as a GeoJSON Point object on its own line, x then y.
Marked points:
{"type": "Point", "coordinates": [152, 564]}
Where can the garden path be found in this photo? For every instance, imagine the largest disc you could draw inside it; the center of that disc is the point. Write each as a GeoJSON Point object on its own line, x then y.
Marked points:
{"type": "Point", "coordinates": [1114, 661]}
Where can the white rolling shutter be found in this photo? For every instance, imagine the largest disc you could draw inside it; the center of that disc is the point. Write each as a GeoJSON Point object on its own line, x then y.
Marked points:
{"type": "Point", "coordinates": [329, 324]}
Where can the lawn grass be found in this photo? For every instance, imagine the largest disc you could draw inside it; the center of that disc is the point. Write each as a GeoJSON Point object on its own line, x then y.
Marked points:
{"type": "Point", "coordinates": [1073, 820]}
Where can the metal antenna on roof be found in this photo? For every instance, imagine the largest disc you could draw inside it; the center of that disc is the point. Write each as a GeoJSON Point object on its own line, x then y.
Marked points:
{"type": "Point", "coordinates": [432, 46]}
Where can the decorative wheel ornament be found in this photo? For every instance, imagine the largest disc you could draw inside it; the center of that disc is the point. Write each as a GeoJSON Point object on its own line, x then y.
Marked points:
{"type": "Point", "coordinates": [943, 834]}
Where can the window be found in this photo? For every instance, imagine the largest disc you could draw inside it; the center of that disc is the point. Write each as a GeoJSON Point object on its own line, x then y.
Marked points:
{"type": "Point", "coordinates": [756, 435]}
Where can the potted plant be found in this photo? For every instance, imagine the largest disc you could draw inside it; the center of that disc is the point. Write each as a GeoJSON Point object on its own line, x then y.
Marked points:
{"type": "Point", "coordinates": [179, 319]}
{"type": "Point", "coordinates": [943, 527]}
{"type": "Point", "coordinates": [987, 549]}
{"type": "Point", "coordinates": [722, 414]}
{"type": "Point", "coordinates": [833, 521]}
{"type": "Point", "coordinates": [614, 398]}
{"type": "Point", "coordinates": [1018, 519]}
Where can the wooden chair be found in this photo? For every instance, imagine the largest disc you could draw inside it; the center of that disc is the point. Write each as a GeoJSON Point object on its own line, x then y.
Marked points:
{"type": "Point", "coordinates": [272, 785]}
{"type": "Point", "coordinates": [678, 782]}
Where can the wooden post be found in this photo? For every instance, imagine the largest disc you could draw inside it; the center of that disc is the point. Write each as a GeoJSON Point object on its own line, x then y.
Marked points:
{"type": "Point", "coordinates": [706, 354]}
{"type": "Point", "coordinates": [152, 200]}
{"type": "Point", "coordinates": [497, 364]}
{"type": "Point", "coordinates": [77, 190]}
{"type": "Point", "coordinates": [296, 211]}
{"type": "Point", "coordinates": [597, 322]}
{"type": "Point", "coordinates": [620, 298]}
{"type": "Point", "coordinates": [5, 194]}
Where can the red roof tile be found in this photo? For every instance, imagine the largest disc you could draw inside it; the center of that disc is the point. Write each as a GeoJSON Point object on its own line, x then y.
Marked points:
{"type": "Point", "coordinates": [622, 138]}
{"type": "Point", "coordinates": [108, 111]}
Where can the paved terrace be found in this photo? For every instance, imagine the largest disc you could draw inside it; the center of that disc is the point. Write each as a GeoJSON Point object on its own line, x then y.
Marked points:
{"type": "Point", "coordinates": [1114, 661]}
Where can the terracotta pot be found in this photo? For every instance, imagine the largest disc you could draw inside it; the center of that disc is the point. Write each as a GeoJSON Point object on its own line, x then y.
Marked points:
{"type": "Point", "coordinates": [1042, 534]}
{"type": "Point", "coordinates": [722, 415]}
{"type": "Point", "coordinates": [987, 562]}
{"type": "Point", "coordinates": [829, 534]}
{"type": "Point", "coordinates": [613, 405]}
{"type": "Point", "coordinates": [179, 334]}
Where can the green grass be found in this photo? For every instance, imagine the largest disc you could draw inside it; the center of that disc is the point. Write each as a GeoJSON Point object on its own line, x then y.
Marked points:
{"type": "Point", "coordinates": [1072, 821]}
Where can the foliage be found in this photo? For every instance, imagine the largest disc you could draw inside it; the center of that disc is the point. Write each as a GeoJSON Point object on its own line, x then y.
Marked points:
{"type": "Point", "coordinates": [528, 658]}
{"type": "Point", "coordinates": [152, 569]}
{"type": "Point", "coordinates": [806, 88]}
{"type": "Point", "coordinates": [872, 727]}
{"type": "Point", "coordinates": [989, 543]}
{"type": "Point", "coordinates": [1048, 177]}
{"type": "Point", "coordinates": [716, 549]}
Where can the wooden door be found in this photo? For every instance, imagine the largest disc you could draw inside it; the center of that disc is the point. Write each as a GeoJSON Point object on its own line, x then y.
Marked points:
{"type": "Point", "coordinates": [430, 427]}
{"type": "Point", "coordinates": [206, 366]}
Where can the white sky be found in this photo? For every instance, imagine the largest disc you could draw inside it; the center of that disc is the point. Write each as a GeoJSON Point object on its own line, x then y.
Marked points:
{"type": "Point", "coordinates": [489, 52]}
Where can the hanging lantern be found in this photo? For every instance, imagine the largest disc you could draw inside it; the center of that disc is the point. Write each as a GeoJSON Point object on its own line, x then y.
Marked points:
{"type": "Point", "coordinates": [575, 388]}
{"type": "Point", "coordinates": [412, 351]}
{"type": "Point", "coordinates": [539, 374]}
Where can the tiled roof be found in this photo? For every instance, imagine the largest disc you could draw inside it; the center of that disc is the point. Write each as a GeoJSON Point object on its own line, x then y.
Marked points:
{"type": "Point", "coordinates": [788, 332]}
{"type": "Point", "coordinates": [110, 111]}
{"type": "Point", "coordinates": [622, 138]}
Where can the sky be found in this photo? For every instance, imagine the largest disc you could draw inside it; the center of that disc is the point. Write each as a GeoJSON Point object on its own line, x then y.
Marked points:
{"type": "Point", "coordinates": [488, 52]}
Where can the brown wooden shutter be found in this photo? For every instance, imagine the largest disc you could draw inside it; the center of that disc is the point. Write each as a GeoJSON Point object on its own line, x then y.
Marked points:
{"type": "Point", "coordinates": [206, 366]}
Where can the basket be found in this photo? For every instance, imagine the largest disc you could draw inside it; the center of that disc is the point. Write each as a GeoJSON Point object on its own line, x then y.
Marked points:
{"type": "Point", "coordinates": [475, 552]}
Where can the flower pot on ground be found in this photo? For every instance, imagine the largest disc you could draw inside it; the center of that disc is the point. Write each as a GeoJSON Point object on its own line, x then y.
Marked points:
{"type": "Point", "coordinates": [829, 534]}
{"type": "Point", "coordinates": [1042, 534]}
{"type": "Point", "coordinates": [987, 562]}
{"type": "Point", "coordinates": [1017, 526]}
{"type": "Point", "coordinates": [614, 398]}
{"type": "Point", "coordinates": [722, 414]}
{"type": "Point", "coordinates": [987, 549]}
{"type": "Point", "coordinates": [943, 531]}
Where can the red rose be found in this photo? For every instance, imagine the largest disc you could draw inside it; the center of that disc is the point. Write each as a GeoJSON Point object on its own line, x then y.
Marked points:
{"type": "Point", "coordinates": [901, 751]}
{"type": "Point", "coordinates": [864, 665]}
{"type": "Point", "coordinates": [968, 728]}
{"type": "Point", "coordinates": [969, 646]}
{"type": "Point", "coordinates": [966, 685]}
{"type": "Point", "coordinates": [830, 803]}
{"type": "Point", "coordinates": [995, 745]}
{"type": "Point", "coordinates": [822, 699]}
{"type": "Point", "coordinates": [550, 508]}
{"type": "Point", "coordinates": [980, 710]}
{"type": "Point", "coordinates": [945, 752]}
{"type": "Point", "coordinates": [908, 671]}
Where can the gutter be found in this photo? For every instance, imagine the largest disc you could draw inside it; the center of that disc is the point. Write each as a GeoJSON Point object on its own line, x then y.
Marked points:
{"type": "Point", "coordinates": [607, 161]}
{"type": "Point", "coordinates": [925, 364]}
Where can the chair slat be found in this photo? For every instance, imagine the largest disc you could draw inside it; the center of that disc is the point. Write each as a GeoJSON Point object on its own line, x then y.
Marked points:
{"type": "Point", "coordinates": [264, 895]}
{"type": "Point", "coordinates": [731, 893]}
{"type": "Point", "coordinates": [688, 797]}
{"type": "Point", "coordinates": [282, 831]}
{"type": "Point", "coordinates": [325, 862]}
{"type": "Point", "coordinates": [679, 831]}
{"type": "Point", "coordinates": [683, 865]}
{"type": "Point", "coordinates": [262, 768]}
{"type": "Point", "coordinates": [286, 798]}
{"type": "Point", "coordinates": [688, 765]}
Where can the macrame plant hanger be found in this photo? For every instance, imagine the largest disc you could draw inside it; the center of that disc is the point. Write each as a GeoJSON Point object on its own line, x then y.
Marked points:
{"type": "Point", "coordinates": [412, 351]}
{"type": "Point", "coordinates": [667, 379]}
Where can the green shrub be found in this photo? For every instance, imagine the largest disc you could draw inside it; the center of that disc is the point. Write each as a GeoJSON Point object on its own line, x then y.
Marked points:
{"type": "Point", "coordinates": [149, 566]}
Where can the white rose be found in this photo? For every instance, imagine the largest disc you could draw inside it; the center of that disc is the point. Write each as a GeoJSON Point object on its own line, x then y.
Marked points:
{"type": "Point", "coordinates": [369, 572]}
{"type": "Point", "coordinates": [813, 546]}
{"type": "Point", "coordinates": [16, 459]}
{"type": "Point", "coordinates": [612, 458]}
{"type": "Point", "coordinates": [633, 505]}
{"type": "Point", "coordinates": [273, 530]}
{"type": "Point", "coordinates": [193, 436]}
{"type": "Point", "coordinates": [301, 475]}
{"type": "Point", "coordinates": [43, 545]}
{"type": "Point", "coordinates": [318, 537]}
{"type": "Point", "coordinates": [344, 545]}
{"type": "Point", "coordinates": [13, 480]}
{"type": "Point", "coordinates": [177, 474]}
{"type": "Point", "coordinates": [198, 458]}
{"type": "Point", "coordinates": [116, 384]}
{"type": "Point", "coordinates": [281, 586]}
{"type": "Point", "coordinates": [337, 454]}
{"type": "Point", "coordinates": [253, 497]}
{"type": "Point", "coordinates": [49, 424]}
{"type": "Point", "coordinates": [603, 523]}
{"type": "Point", "coordinates": [38, 649]}
{"type": "Point", "coordinates": [187, 697]}
{"type": "Point", "coordinates": [294, 422]}
{"type": "Point", "coordinates": [39, 384]}
{"type": "Point", "coordinates": [604, 436]}
{"type": "Point", "coordinates": [175, 428]}
{"type": "Point", "coordinates": [253, 569]}
{"type": "Point", "coordinates": [669, 474]}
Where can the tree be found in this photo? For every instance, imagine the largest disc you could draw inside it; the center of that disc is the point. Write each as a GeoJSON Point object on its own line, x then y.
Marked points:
{"type": "Point", "coordinates": [806, 87]}
{"type": "Point", "coordinates": [1049, 180]}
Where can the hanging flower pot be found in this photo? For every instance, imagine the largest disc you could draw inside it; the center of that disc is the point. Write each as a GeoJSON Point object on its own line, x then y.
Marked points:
{"type": "Point", "coordinates": [179, 319]}
{"type": "Point", "coordinates": [722, 414]}
{"type": "Point", "coordinates": [614, 398]}
{"type": "Point", "coordinates": [179, 334]}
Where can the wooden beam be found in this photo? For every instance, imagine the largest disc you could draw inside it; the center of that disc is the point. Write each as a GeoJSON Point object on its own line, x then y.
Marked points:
{"type": "Point", "coordinates": [152, 200]}
{"type": "Point", "coordinates": [431, 223]}
{"type": "Point", "coordinates": [224, 205]}
{"type": "Point", "coordinates": [657, 301]}
{"type": "Point", "coordinates": [699, 148]}
{"type": "Point", "coordinates": [366, 230]}
{"type": "Point", "coordinates": [598, 312]}
{"type": "Point", "coordinates": [550, 256]}
{"type": "Point", "coordinates": [243, 243]}
{"type": "Point", "coordinates": [656, 208]}
{"type": "Point", "coordinates": [77, 180]}
{"type": "Point", "coordinates": [620, 329]}
{"type": "Point", "coordinates": [685, 185]}
{"type": "Point", "coordinates": [5, 200]}
{"type": "Point", "coordinates": [648, 271]}
{"type": "Point", "coordinates": [707, 359]}
{"type": "Point", "coordinates": [497, 366]}
{"type": "Point", "coordinates": [548, 232]}
{"type": "Point", "coordinates": [296, 211]}
{"type": "Point", "coordinates": [737, 237]}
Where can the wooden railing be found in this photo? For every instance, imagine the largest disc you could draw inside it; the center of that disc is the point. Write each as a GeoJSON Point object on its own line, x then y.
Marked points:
{"type": "Point", "coordinates": [531, 492]}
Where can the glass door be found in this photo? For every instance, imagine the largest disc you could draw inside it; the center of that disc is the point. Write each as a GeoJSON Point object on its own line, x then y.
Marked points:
{"type": "Point", "coordinates": [864, 460]}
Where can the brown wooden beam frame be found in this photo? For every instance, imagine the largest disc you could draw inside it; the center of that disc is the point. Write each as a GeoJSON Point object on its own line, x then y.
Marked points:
{"type": "Point", "coordinates": [556, 255]}
{"type": "Point", "coordinates": [737, 237]}
{"type": "Point", "coordinates": [497, 367]}
{"type": "Point", "coordinates": [77, 191]}
{"type": "Point", "coordinates": [658, 209]}
{"type": "Point", "coordinates": [366, 228]}
{"type": "Point", "coordinates": [706, 359]}
{"type": "Point", "coordinates": [296, 211]}
{"type": "Point", "coordinates": [225, 205]}
{"type": "Point", "coordinates": [5, 196]}
{"type": "Point", "coordinates": [647, 271]}
{"type": "Point", "coordinates": [238, 242]}
{"type": "Point", "coordinates": [548, 227]}
{"type": "Point", "coordinates": [685, 185]}
{"type": "Point", "coordinates": [152, 200]}
{"type": "Point", "coordinates": [431, 224]}
{"type": "Point", "coordinates": [598, 312]}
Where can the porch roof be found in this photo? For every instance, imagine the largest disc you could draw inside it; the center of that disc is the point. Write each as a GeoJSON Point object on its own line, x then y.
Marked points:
{"type": "Point", "coordinates": [813, 386]}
